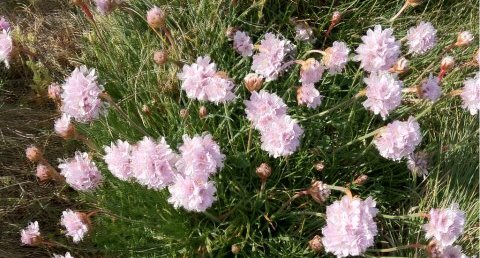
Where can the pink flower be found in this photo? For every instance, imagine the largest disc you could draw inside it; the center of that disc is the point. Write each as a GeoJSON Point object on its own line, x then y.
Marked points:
{"type": "Point", "coordinates": [336, 57]}
{"type": "Point", "coordinates": [281, 136]}
{"type": "Point", "coordinates": [33, 153]}
{"type": "Point", "coordinates": [445, 225]}
{"type": "Point", "coordinates": [242, 43]}
{"type": "Point", "coordinates": [274, 52]}
{"type": "Point", "coordinates": [421, 38]}
{"type": "Point", "coordinates": [80, 172]}
{"type": "Point", "coordinates": [67, 255]}
{"type": "Point", "coordinates": [107, 6]}
{"type": "Point", "coordinates": [350, 227]}
{"type": "Point", "coordinates": [75, 223]}
{"type": "Point", "coordinates": [192, 194]}
{"type": "Point", "coordinates": [263, 107]}
{"type": "Point", "coordinates": [31, 234]}
{"type": "Point", "coordinates": [81, 95]}
{"type": "Point", "coordinates": [452, 252]}
{"type": "Point", "coordinates": [4, 24]}
{"type": "Point", "coordinates": [309, 96]}
{"type": "Point", "coordinates": [153, 163]}
{"type": "Point", "coordinates": [303, 32]}
{"type": "Point", "coordinates": [54, 91]}
{"type": "Point", "coordinates": [64, 127]}
{"type": "Point", "coordinates": [311, 71]}
{"type": "Point", "coordinates": [117, 156]}
{"type": "Point", "coordinates": [384, 93]}
{"type": "Point", "coordinates": [379, 50]}
{"type": "Point", "coordinates": [201, 81]}
{"type": "Point", "coordinates": [200, 157]}
{"type": "Point", "coordinates": [430, 89]}
{"type": "Point", "coordinates": [43, 173]}
{"type": "Point", "coordinates": [156, 17]}
{"type": "Point", "coordinates": [6, 47]}
{"type": "Point", "coordinates": [471, 94]}
{"type": "Point", "coordinates": [398, 139]}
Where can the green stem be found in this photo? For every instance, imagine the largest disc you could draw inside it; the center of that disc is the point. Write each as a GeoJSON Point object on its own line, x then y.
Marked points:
{"type": "Point", "coordinates": [404, 7]}
{"type": "Point", "coordinates": [344, 103]}
{"type": "Point", "coordinates": [210, 216]}
{"type": "Point", "coordinates": [249, 143]}
{"type": "Point", "coordinates": [408, 216]}
{"type": "Point", "coordinates": [109, 99]}
{"type": "Point", "coordinates": [341, 189]}
{"type": "Point", "coordinates": [393, 249]}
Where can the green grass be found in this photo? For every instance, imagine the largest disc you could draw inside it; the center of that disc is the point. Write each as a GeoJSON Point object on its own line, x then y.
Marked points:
{"type": "Point", "coordinates": [140, 223]}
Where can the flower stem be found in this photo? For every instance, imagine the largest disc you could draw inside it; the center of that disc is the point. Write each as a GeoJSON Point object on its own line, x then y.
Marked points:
{"type": "Point", "coordinates": [210, 216]}
{"type": "Point", "coordinates": [408, 216]}
{"type": "Point", "coordinates": [393, 249]}
{"type": "Point", "coordinates": [249, 142]}
{"type": "Point", "coordinates": [404, 7]}
{"type": "Point", "coordinates": [341, 189]}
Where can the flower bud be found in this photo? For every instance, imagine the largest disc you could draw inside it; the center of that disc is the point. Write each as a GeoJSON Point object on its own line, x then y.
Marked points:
{"type": "Point", "coordinates": [320, 166]}
{"type": "Point", "coordinates": [336, 17]}
{"type": "Point", "coordinates": [263, 171]}
{"type": "Point", "coordinates": [34, 154]}
{"type": "Point", "coordinates": [464, 38]}
{"type": "Point", "coordinates": [43, 172]}
{"type": "Point", "coordinates": [253, 82]}
{"type": "Point", "coordinates": [202, 112]}
{"type": "Point", "coordinates": [447, 63]}
{"type": "Point", "coordinates": [156, 17]}
{"type": "Point", "coordinates": [414, 2]}
{"type": "Point", "coordinates": [183, 113]}
{"type": "Point", "coordinates": [230, 32]}
{"type": "Point", "coordinates": [160, 57]}
{"type": "Point", "coordinates": [54, 91]}
{"type": "Point", "coordinates": [236, 249]}
{"type": "Point", "coordinates": [316, 244]}
{"type": "Point", "coordinates": [401, 66]}
{"type": "Point", "coordinates": [319, 191]}
{"type": "Point", "coordinates": [360, 180]}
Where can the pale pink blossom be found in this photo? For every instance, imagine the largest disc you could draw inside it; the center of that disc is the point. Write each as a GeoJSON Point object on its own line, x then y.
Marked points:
{"type": "Point", "coordinates": [379, 50]}
{"type": "Point", "coordinates": [445, 225]}
{"type": "Point", "coordinates": [471, 94]}
{"type": "Point", "coordinates": [398, 139]}
{"type": "Point", "coordinates": [107, 6]}
{"type": "Point", "coordinates": [350, 227]}
{"type": "Point", "coordinates": [336, 57]}
{"type": "Point", "coordinates": [274, 54]}
{"type": "Point", "coordinates": [67, 255]}
{"type": "Point", "coordinates": [430, 89]}
{"type": "Point", "coordinates": [118, 157]}
{"type": "Point", "coordinates": [263, 107]}
{"type": "Point", "coordinates": [4, 24]}
{"type": "Point", "coordinates": [6, 47]}
{"type": "Point", "coordinates": [192, 194]}
{"type": "Point", "coordinates": [242, 43]}
{"type": "Point", "coordinates": [451, 252]}
{"type": "Point", "coordinates": [421, 38]}
{"type": "Point", "coordinates": [156, 17]}
{"type": "Point", "coordinates": [75, 224]}
{"type": "Point", "coordinates": [31, 234]}
{"type": "Point", "coordinates": [153, 163]}
{"type": "Point", "coordinates": [464, 38]}
{"type": "Point", "coordinates": [81, 95]}
{"type": "Point", "coordinates": [80, 172]}
{"type": "Point", "coordinates": [281, 136]}
{"type": "Point", "coordinates": [64, 127]}
{"type": "Point", "coordinates": [311, 71]}
{"type": "Point", "coordinates": [309, 96]}
{"type": "Point", "coordinates": [54, 91]}
{"type": "Point", "coordinates": [303, 32]}
{"type": "Point", "coordinates": [384, 93]}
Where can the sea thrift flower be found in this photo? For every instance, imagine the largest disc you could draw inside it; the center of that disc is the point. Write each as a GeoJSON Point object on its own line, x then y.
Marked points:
{"type": "Point", "coordinates": [6, 47]}
{"type": "Point", "coordinates": [303, 32]}
{"type": "Point", "coordinates": [350, 227]}
{"type": "Point", "coordinates": [191, 194]}
{"type": "Point", "coordinates": [379, 50]}
{"type": "Point", "coordinates": [384, 93]}
{"type": "Point", "coordinates": [200, 156]}
{"type": "Point", "coordinates": [75, 223]}
{"type": "Point", "coordinates": [309, 96]}
{"type": "Point", "coordinates": [274, 51]}
{"type": "Point", "coordinates": [31, 234]}
{"type": "Point", "coordinates": [281, 137]}
{"type": "Point", "coordinates": [452, 252]}
{"type": "Point", "coordinates": [81, 95]}
{"type": "Point", "coordinates": [430, 89]}
{"type": "Point", "coordinates": [242, 44]}
{"type": "Point", "coordinates": [398, 139]}
{"type": "Point", "coordinates": [67, 255]}
{"type": "Point", "coordinates": [64, 127]}
{"type": "Point", "coordinates": [421, 38]}
{"type": "Point", "coordinates": [316, 244]}
{"type": "Point", "coordinates": [107, 6]}
{"type": "Point", "coordinates": [33, 154]}
{"type": "Point", "coordinates": [4, 24]}
{"type": "Point", "coordinates": [447, 63]}
{"type": "Point", "coordinates": [156, 17]}
{"type": "Point", "coordinates": [418, 163]}
{"type": "Point", "coordinates": [253, 82]}
{"type": "Point", "coordinates": [80, 172]}
{"type": "Point", "coordinates": [336, 57]}
{"type": "Point", "coordinates": [153, 163]}
{"type": "Point", "coordinates": [311, 71]}
{"type": "Point", "coordinates": [319, 191]}
{"type": "Point", "coordinates": [401, 66]}
{"type": "Point", "coordinates": [117, 156]}
{"type": "Point", "coordinates": [464, 38]}
{"type": "Point", "coordinates": [471, 94]}
{"type": "Point", "coordinates": [160, 57]}
{"type": "Point", "coordinates": [263, 107]}
{"type": "Point", "coordinates": [54, 91]}
{"type": "Point", "coordinates": [43, 173]}
{"type": "Point", "coordinates": [263, 171]}
{"type": "Point", "coordinates": [445, 225]}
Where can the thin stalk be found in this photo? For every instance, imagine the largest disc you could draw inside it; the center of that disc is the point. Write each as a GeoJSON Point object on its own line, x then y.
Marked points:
{"type": "Point", "coordinates": [408, 216]}
{"type": "Point", "coordinates": [249, 142]}
{"type": "Point", "coordinates": [404, 7]}
{"type": "Point", "coordinates": [341, 189]}
{"type": "Point", "coordinates": [393, 249]}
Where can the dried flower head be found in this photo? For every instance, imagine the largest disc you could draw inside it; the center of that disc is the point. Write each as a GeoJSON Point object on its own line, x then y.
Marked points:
{"type": "Point", "coordinates": [418, 163]}
{"type": "Point", "coordinates": [281, 137]}
{"type": "Point", "coordinates": [384, 93]}
{"type": "Point", "coordinates": [4, 24]}
{"type": "Point", "coordinates": [360, 180]}
{"type": "Point", "coordinates": [263, 171]}
{"type": "Point", "coordinates": [242, 43]}
{"type": "Point", "coordinates": [445, 225]}
{"type": "Point", "coordinates": [401, 66]}
{"type": "Point", "coordinates": [471, 94]}
{"type": "Point", "coordinates": [430, 89]}
{"type": "Point", "coordinates": [6, 47]}
{"type": "Point", "coordinates": [303, 32]}
{"type": "Point", "coordinates": [236, 249]}
{"type": "Point", "coordinates": [311, 71]}
{"type": "Point", "coordinates": [160, 57]}
{"type": "Point", "coordinates": [336, 17]}
{"type": "Point", "coordinates": [421, 38]}
{"type": "Point", "coordinates": [336, 57]}
{"type": "Point", "coordinates": [34, 154]}
{"type": "Point", "coordinates": [319, 191]}
{"type": "Point", "coordinates": [309, 96]}
{"type": "Point", "coordinates": [54, 91]}
{"type": "Point", "coordinates": [107, 6]}
{"type": "Point", "coordinates": [202, 112]}
{"type": "Point", "coordinates": [76, 224]}
{"type": "Point", "coordinates": [263, 107]}
{"type": "Point", "coordinates": [64, 127]}
{"type": "Point", "coordinates": [118, 158]}
{"type": "Point", "coordinates": [316, 244]}
{"type": "Point", "coordinates": [230, 32]}
{"type": "Point", "coordinates": [31, 234]}
{"type": "Point", "coordinates": [156, 17]}
{"type": "Point", "coordinates": [320, 166]}
{"type": "Point", "coordinates": [398, 139]}
{"type": "Point", "coordinates": [464, 38]}
{"type": "Point", "coordinates": [253, 82]}
{"type": "Point", "coordinates": [80, 172]}
{"type": "Point", "coordinates": [191, 194]}
{"type": "Point", "coordinates": [183, 113]}
{"type": "Point", "coordinates": [379, 50]}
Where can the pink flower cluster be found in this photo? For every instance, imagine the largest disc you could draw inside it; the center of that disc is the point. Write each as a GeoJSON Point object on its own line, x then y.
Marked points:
{"type": "Point", "coordinates": [451, 252]}
{"type": "Point", "coordinates": [379, 50]}
{"type": "Point", "coordinates": [80, 172]}
{"type": "Point", "coordinates": [336, 57]}
{"type": "Point", "coordinates": [471, 94]}
{"type": "Point", "coordinates": [384, 93]}
{"type": "Point", "coordinates": [398, 139]}
{"type": "Point", "coordinates": [311, 71]}
{"type": "Point", "coordinates": [75, 224]}
{"type": "Point", "coordinates": [274, 52]}
{"type": "Point", "coordinates": [445, 225]}
{"type": "Point", "coordinates": [350, 227]}
{"type": "Point", "coordinates": [201, 81]}
{"type": "Point", "coordinates": [63, 126]}
{"type": "Point", "coordinates": [309, 96]}
{"type": "Point", "coordinates": [280, 134]}
{"type": "Point", "coordinates": [242, 43]}
{"type": "Point", "coordinates": [430, 89]}
{"type": "Point", "coordinates": [118, 159]}
{"type": "Point", "coordinates": [107, 6]}
{"type": "Point", "coordinates": [421, 38]}
{"type": "Point", "coordinates": [6, 47]}
{"type": "Point", "coordinates": [31, 234]}
{"type": "Point", "coordinates": [4, 24]}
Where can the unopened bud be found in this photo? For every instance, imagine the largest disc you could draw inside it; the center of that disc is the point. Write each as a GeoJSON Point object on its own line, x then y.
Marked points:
{"type": "Point", "coordinates": [320, 166]}
{"type": "Point", "coordinates": [319, 191]}
{"type": "Point", "coordinates": [146, 109]}
{"type": "Point", "coordinates": [43, 173]}
{"type": "Point", "coordinates": [447, 63]}
{"type": "Point", "coordinates": [464, 38]}
{"type": "Point", "coordinates": [156, 17]}
{"type": "Point", "coordinates": [160, 57]}
{"type": "Point", "coordinates": [230, 32]}
{"type": "Point", "coordinates": [54, 91]}
{"type": "Point", "coordinates": [401, 66]}
{"type": "Point", "coordinates": [236, 249]}
{"type": "Point", "coordinates": [336, 17]}
{"type": "Point", "coordinates": [316, 244]}
{"type": "Point", "coordinates": [202, 112]}
{"type": "Point", "coordinates": [263, 171]}
{"type": "Point", "coordinates": [361, 180]}
{"type": "Point", "coordinates": [253, 82]}
{"type": "Point", "coordinates": [34, 154]}
{"type": "Point", "coordinates": [183, 113]}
